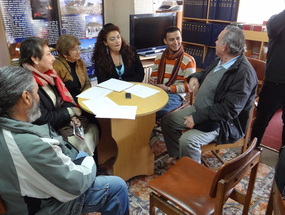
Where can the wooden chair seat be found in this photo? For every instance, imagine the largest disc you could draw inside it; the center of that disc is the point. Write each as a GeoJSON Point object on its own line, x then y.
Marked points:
{"type": "Point", "coordinates": [193, 188]}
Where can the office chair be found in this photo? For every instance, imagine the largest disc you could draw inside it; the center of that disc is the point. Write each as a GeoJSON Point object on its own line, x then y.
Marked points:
{"type": "Point", "coordinates": [193, 188]}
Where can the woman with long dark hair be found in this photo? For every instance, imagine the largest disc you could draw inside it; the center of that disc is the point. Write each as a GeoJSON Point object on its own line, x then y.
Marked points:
{"type": "Point", "coordinates": [114, 58]}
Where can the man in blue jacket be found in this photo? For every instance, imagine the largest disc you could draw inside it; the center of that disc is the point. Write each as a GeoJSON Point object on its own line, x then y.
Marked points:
{"type": "Point", "coordinates": [40, 173]}
{"type": "Point", "coordinates": [225, 92]}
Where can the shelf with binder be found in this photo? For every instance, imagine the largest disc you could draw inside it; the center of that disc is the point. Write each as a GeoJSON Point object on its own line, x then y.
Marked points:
{"type": "Point", "coordinates": [256, 44]}
{"type": "Point", "coordinates": [202, 22]}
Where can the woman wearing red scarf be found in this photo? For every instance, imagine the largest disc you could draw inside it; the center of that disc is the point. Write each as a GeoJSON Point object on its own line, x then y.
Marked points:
{"type": "Point", "coordinates": [57, 105]}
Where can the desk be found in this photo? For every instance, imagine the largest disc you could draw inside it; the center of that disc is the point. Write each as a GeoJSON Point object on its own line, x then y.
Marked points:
{"type": "Point", "coordinates": [129, 139]}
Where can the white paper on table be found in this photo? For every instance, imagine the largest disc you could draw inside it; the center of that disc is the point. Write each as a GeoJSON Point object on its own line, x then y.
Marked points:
{"type": "Point", "coordinates": [141, 91]}
{"type": "Point", "coordinates": [104, 107]}
{"type": "Point", "coordinates": [94, 92]}
{"type": "Point", "coordinates": [119, 112]}
{"type": "Point", "coordinates": [115, 84]}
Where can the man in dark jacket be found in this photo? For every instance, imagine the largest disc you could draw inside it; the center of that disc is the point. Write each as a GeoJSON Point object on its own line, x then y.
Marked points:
{"type": "Point", "coordinates": [222, 104]}
{"type": "Point", "coordinates": [271, 97]}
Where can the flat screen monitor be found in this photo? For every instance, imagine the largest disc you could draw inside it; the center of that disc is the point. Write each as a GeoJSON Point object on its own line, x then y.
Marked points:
{"type": "Point", "coordinates": [146, 31]}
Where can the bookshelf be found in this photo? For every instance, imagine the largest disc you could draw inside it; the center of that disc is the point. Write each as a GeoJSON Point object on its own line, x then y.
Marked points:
{"type": "Point", "coordinates": [256, 44]}
{"type": "Point", "coordinates": [202, 22]}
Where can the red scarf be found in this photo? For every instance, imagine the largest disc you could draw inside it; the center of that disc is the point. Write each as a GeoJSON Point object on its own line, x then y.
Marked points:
{"type": "Point", "coordinates": [161, 67]}
{"type": "Point", "coordinates": [51, 77]}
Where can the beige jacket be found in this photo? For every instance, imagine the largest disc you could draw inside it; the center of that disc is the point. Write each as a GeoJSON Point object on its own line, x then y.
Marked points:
{"type": "Point", "coordinates": [63, 70]}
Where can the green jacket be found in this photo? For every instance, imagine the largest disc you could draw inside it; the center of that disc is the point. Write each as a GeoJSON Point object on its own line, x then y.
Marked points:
{"type": "Point", "coordinates": [39, 169]}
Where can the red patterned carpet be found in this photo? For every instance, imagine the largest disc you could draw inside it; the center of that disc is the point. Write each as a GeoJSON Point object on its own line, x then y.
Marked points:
{"type": "Point", "coordinates": [272, 137]}
{"type": "Point", "coordinates": [139, 191]}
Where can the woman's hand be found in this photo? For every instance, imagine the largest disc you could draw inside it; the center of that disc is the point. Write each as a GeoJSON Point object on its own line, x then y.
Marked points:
{"type": "Point", "coordinates": [76, 121]}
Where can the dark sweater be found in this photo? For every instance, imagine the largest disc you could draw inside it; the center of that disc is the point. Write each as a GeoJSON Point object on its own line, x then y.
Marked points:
{"type": "Point", "coordinates": [275, 64]}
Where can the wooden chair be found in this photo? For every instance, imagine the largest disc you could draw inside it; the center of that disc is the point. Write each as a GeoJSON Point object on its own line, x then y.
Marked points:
{"type": "Point", "coordinates": [243, 142]}
{"type": "Point", "coordinates": [275, 204]}
{"type": "Point", "coordinates": [193, 188]}
{"type": "Point", "coordinates": [259, 67]}
{"type": "Point", "coordinates": [2, 207]}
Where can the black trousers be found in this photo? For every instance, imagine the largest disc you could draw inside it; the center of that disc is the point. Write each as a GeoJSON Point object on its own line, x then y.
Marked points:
{"type": "Point", "coordinates": [271, 98]}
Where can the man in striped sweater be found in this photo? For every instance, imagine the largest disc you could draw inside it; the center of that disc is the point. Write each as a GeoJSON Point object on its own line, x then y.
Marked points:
{"type": "Point", "coordinates": [171, 69]}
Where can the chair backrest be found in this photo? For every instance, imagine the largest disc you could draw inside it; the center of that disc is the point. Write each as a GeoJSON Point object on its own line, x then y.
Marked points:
{"type": "Point", "coordinates": [233, 171]}
{"type": "Point", "coordinates": [259, 67]}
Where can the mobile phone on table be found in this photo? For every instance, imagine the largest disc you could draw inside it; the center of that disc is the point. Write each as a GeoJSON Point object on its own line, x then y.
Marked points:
{"type": "Point", "coordinates": [128, 96]}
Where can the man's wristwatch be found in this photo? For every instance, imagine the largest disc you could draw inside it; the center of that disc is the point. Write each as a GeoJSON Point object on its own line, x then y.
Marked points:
{"type": "Point", "coordinates": [168, 90]}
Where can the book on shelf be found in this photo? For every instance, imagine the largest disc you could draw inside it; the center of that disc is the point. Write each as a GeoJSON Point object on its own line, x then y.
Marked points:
{"type": "Point", "coordinates": [212, 11]}
{"type": "Point", "coordinates": [223, 10]}
{"type": "Point", "coordinates": [195, 8]}
{"type": "Point", "coordinates": [210, 56]}
{"type": "Point", "coordinates": [197, 32]}
{"type": "Point", "coordinates": [217, 29]}
{"type": "Point", "coordinates": [196, 52]}
{"type": "Point", "coordinates": [234, 10]}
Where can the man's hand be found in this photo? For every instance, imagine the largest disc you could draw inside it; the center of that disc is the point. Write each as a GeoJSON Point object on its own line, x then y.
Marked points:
{"type": "Point", "coordinates": [162, 86]}
{"type": "Point", "coordinates": [189, 122]}
{"type": "Point", "coordinates": [194, 85]}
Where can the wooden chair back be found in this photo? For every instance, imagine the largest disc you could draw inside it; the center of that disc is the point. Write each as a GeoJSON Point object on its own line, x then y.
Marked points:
{"type": "Point", "coordinates": [243, 142]}
{"type": "Point", "coordinates": [182, 185]}
{"type": "Point", "coordinates": [234, 168]}
{"type": "Point", "coordinates": [259, 67]}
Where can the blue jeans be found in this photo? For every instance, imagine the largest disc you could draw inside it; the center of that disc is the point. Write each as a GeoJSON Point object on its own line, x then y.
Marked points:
{"type": "Point", "coordinates": [107, 195]}
{"type": "Point", "coordinates": [174, 101]}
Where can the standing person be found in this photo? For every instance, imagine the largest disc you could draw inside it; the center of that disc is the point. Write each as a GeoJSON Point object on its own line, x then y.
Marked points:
{"type": "Point", "coordinates": [225, 93]}
{"type": "Point", "coordinates": [114, 58]}
{"type": "Point", "coordinates": [171, 69]}
{"type": "Point", "coordinates": [69, 66]}
{"type": "Point", "coordinates": [40, 172]}
{"type": "Point", "coordinates": [272, 95]}
{"type": "Point", "coordinates": [57, 105]}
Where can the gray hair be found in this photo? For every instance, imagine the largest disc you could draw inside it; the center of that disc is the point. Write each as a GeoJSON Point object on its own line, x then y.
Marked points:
{"type": "Point", "coordinates": [235, 40]}
{"type": "Point", "coordinates": [13, 82]}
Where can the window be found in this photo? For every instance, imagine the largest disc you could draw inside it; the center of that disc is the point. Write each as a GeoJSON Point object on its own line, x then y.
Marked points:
{"type": "Point", "coordinates": [257, 11]}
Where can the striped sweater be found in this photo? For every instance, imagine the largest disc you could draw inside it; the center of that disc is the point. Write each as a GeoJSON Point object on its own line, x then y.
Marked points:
{"type": "Point", "coordinates": [187, 67]}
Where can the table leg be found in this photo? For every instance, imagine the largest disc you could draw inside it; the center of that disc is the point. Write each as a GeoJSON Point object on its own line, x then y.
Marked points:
{"type": "Point", "coordinates": [132, 138]}
{"type": "Point", "coordinates": [134, 154]}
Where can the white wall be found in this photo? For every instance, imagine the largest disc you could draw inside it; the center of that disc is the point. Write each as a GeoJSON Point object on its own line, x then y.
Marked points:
{"type": "Point", "coordinates": [118, 12]}
{"type": "Point", "coordinates": [115, 11]}
{"type": "Point", "coordinates": [257, 11]}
